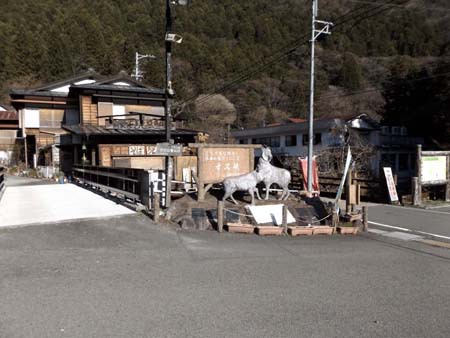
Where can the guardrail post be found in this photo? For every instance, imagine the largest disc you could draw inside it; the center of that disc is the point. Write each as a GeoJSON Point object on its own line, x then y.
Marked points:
{"type": "Point", "coordinates": [416, 191]}
{"type": "Point", "coordinates": [220, 213]}
{"type": "Point", "coordinates": [365, 215]}
{"type": "Point", "coordinates": [334, 217]}
{"type": "Point", "coordinates": [144, 181]}
{"type": "Point", "coordinates": [156, 206]}
{"type": "Point", "coordinates": [284, 218]}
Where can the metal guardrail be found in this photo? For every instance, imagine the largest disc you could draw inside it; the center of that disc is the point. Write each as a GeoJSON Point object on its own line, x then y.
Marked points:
{"type": "Point", "coordinates": [128, 182]}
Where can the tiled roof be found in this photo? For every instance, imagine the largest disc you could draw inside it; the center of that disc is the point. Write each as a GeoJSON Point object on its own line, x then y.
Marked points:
{"type": "Point", "coordinates": [81, 129]}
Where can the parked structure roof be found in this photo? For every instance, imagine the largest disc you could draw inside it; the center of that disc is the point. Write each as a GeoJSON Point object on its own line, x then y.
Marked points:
{"type": "Point", "coordinates": [81, 129]}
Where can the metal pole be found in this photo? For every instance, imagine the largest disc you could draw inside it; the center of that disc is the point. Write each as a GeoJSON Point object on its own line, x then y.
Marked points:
{"type": "Point", "coordinates": [136, 70]}
{"type": "Point", "coordinates": [311, 100]}
{"type": "Point", "coordinates": [168, 103]}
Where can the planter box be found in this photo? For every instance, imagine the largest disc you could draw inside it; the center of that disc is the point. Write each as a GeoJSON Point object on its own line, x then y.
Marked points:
{"type": "Point", "coordinates": [298, 231]}
{"type": "Point", "coordinates": [323, 230]}
{"type": "Point", "coordinates": [269, 230]}
{"type": "Point", "coordinates": [347, 230]}
{"type": "Point", "coordinates": [240, 228]}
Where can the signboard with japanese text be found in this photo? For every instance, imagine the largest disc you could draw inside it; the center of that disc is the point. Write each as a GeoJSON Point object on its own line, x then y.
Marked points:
{"type": "Point", "coordinates": [390, 184]}
{"type": "Point", "coordinates": [169, 149]}
{"type": "Point", "coordinates": [434, 169]}
{"type": "Point", "coordinates": [218, 163]}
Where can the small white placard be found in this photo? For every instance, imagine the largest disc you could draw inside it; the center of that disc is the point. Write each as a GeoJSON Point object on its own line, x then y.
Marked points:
{"type": "Point", "coordinates": [390, 184]}
{"type": "Point", "coordinates": [434, 169]}
{"type": "Point", "coordinates": [270, 214]}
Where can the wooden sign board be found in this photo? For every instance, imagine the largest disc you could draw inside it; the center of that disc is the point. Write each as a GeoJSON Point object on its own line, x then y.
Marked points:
{"type": "Point", "coordinates": [390, 184]}
{"type": "Point", "coordinates": [218, 163]}
{"type": "Point", "coordinates": [108, 151]}
{"type": "Point", "coordinates": [434, 169]}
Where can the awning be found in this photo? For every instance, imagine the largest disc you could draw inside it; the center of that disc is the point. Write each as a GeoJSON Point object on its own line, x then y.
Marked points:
{"type": "Point", "coordinates": [97, 130]}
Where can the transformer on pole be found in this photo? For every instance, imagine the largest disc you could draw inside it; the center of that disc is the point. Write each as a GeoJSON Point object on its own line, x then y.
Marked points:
{"type": "Point", "coordinates": [324, 27]}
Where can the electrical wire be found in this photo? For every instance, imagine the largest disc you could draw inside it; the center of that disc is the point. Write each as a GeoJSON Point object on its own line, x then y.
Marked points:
{"type": "Point", "coordinates": [402, 6]}
{"type": "Point", "coordinates": [258, 69]}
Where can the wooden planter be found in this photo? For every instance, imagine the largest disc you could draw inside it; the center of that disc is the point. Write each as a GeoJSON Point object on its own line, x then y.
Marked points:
{"type": "Point", "coordinates": [347, 230]}
{"type": "Point", "coordinates": [322, 230]}
{"type": "Point", "coordinates": [269, 230]}
{"type": "Point", "coordinates": [240, 228]}
{"type": "Point", "coordinates": [299, 231]}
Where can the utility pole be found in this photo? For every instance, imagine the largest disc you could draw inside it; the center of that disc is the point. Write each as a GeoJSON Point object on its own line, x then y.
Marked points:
{"type": "Point", "coordinates": [169, 92]}
{"type": "Point", "coordinates": [138, 75]}
{"type": "Point", "coordinates": [324, 28]}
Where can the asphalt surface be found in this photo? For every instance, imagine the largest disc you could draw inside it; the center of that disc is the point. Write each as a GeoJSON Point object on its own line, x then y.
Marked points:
{"type": "Point", "coordinates": [127, 277]}
{"type": "Point", "coordinates": [17, 181]}
{"type": "Point", "coordinates": [434, 221]}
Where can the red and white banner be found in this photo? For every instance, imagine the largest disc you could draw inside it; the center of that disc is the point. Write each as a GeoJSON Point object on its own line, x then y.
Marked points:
{"type": "Point", "coordinates": [390, 184]}
{"type": "Point", "coordinates": [315, 176]}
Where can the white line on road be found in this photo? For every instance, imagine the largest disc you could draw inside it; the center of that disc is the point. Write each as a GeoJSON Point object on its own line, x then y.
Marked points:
{"type": "Point", "coordinates": [414, 209]}
{"type": "Point", "coordinates": [389, 226]}
{"type": "Point", "coordinates": [408, 230]}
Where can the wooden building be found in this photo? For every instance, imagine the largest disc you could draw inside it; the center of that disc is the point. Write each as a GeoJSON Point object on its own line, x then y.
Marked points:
{"type": "Point", "coordinates": [70, 121]}
{"type": "Point", "coordinates": [9, 126]}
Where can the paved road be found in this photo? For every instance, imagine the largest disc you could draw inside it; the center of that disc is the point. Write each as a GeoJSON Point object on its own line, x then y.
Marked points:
{"type": "Point", "coordinates": [125, 277]}
{"type": "Point", "coordinates": [428, 222]}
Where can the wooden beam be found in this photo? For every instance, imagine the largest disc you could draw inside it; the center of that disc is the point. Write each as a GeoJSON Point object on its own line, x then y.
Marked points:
{"type": "Point", "coordinates": [39, 101]}
{"type": "Point", "coordinates": [138, 98]}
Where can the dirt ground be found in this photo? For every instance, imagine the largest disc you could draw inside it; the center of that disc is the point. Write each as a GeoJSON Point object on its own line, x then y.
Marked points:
{"type": "Point", "coordinates": [190, 213]}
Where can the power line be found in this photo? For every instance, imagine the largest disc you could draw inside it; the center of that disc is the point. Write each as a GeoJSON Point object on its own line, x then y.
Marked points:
{"type": "Point", "coordinates": [376, 88]}
{"type": "Point", "coordinates": [402, 6]}
{"type": "Point", "coordinates": [257, 69]}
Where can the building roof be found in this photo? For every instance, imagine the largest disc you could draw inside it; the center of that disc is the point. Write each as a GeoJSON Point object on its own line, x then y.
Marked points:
{"type": "Point", "coordinates": [293, 125]}
{"type": "Point", "coordinates": [33, 92]}
{"type": "Point", "coordinates": [121, 77]}
{"type": "Point", "coordinates": [97, 86]}
{"type": "Point", "coordinates": [96, 130]}
{"type": "Point", "coordinates": [89, 74]}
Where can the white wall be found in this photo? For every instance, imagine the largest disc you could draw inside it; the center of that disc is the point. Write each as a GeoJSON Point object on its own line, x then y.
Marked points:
{"type": "Point", "coordinates": [65, 89]}
{"type": "Point", "coordinates": [31, 118]}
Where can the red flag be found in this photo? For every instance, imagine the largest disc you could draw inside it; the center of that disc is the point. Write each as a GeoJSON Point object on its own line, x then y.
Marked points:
{"type": "Point", "coordinates": [304, 167]}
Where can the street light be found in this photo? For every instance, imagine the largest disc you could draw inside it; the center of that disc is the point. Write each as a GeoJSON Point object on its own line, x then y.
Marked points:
{"type": "Point", "coordinates": [170, 37]}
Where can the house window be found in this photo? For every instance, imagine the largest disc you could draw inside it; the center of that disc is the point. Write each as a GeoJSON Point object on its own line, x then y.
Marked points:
{"type": "Point", "coordinates": [305, 139]}
{"type": "Point", "coordinates": [291, 140]}
{"type": "Point", "coordinates": [51, 118]}
{"type": "Point", "coordinates": [242, 141]}
{"type": "Point", "coordinates": [317, 139]}
{"type": "Point", "coordinates": [273, 141]}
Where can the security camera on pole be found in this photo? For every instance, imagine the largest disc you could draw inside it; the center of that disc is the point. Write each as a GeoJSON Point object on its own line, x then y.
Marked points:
{"type": "Point", "coordinates": [324, 27]}
{"type": "Point", "coordinates": [169, 38]}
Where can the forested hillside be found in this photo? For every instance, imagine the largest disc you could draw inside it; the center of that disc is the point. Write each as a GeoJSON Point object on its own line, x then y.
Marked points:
{"type": "Point", "coordinates": [390, 61]}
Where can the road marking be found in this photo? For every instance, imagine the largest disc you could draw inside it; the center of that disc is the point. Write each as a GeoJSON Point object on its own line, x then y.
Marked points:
{"type": "Point", "coordinates": [415, 209]}
{"type": "Point", "coordinates": [403, 236]}
{"type": "Point", "coordinates": [378, 232]}
{"type": "Point", "coordinates": [408, 230]}
{"type": "Point", "coordinates": [389, 226]}
{"type": "Point", "coordinates": [439, 207]}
